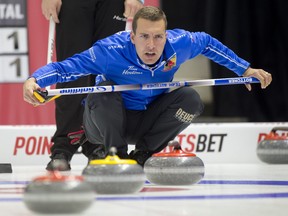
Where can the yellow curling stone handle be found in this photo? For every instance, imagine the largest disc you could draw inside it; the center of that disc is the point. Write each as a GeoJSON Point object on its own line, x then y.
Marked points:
{"type": "Point", "coordinates": [112, 160]}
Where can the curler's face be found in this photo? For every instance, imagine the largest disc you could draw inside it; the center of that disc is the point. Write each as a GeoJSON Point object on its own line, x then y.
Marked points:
{"type": "Point", "coordinates": [149, 40]}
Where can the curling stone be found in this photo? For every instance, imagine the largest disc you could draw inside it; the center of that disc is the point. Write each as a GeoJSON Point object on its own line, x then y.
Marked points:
{"type": "Point", "coordinates": [274, 148]}
{"type": "Point", "coordinates": [113, 175]}
{"type": "Point", "coordinates": [58, 194]}
{"type": "Point", "coordinates": [174, 168]}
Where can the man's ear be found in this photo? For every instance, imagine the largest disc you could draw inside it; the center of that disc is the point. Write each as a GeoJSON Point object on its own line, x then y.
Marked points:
{"type": "Point", "coordinates": [132, 37]}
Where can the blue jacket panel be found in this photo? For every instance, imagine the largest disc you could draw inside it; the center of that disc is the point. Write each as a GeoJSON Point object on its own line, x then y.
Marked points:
{"type": "Point", "coordinates": [115, 58]}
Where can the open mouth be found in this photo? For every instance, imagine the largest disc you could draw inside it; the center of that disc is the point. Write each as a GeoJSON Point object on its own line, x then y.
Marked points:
{"type": "Point", "coordinates": [150, 54]}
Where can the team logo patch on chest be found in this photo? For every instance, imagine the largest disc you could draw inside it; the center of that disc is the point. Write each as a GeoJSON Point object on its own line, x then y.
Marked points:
{"type": "Point", "coordinates": [170, 64]}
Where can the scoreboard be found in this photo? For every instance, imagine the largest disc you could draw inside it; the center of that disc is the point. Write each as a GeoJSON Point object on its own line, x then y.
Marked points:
{"type": "Point", "coordinates": [13, 41]}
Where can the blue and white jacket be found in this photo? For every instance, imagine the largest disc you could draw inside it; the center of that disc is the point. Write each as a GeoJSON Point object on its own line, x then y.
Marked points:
{"type": "Point", "coordinates": [115, 57]}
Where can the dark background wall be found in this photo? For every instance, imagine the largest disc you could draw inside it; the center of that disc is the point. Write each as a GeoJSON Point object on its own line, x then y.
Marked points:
{"type": "Point", "coordinates": [257, 30]}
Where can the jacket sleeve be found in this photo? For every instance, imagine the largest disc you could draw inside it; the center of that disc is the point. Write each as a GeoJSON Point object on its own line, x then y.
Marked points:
{"type": "Point", "coordinates": [70, 69]}
{"type": "Point", "coordinates": [213, 49]}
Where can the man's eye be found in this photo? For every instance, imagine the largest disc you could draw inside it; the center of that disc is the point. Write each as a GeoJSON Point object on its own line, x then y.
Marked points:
{"type": "Point", "coordinates": [158, 37]}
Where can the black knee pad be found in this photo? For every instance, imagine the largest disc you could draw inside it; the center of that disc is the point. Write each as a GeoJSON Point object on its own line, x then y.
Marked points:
{"type": "Point", "coordinates": [190, 100]}
{"type": "Point", "coordinates": [189, 105]}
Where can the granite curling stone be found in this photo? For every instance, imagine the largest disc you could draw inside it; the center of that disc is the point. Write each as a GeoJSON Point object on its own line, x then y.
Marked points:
{"type": "Point", "coordinates": [174, 168]}
{"type": "Point", "coordinates": [113, 175]}
{"type": "Point", "coordinates": [274, 148]}
{"type": "Point", "coordinates": [58, 194]}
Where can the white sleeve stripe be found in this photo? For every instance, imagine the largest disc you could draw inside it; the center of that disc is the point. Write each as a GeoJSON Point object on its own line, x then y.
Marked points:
{"type": "Point", "coordinates": [219, 52]}
{"type": "Point", "coordinates": [66, 78]}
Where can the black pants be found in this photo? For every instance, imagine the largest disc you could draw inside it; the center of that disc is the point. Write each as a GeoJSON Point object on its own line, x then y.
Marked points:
{"type": "Point", "coordinates": [107, 122]}
{"type": "Point", "coordinates": [82, 22]}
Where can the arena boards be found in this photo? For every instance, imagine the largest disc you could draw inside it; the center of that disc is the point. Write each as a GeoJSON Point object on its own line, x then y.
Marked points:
{"type": "Point", "coordinates": [212, 142]}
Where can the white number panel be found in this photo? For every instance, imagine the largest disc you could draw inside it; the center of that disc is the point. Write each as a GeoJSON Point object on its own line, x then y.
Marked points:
{"type": "Point", "coordinates": [14, 68]}
{"type": "Point", "coordinates": [13, 40]}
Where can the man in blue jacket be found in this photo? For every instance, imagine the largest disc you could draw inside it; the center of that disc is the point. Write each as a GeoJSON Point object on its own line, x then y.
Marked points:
{"type": "Point", "coordinates": [149, 53]}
